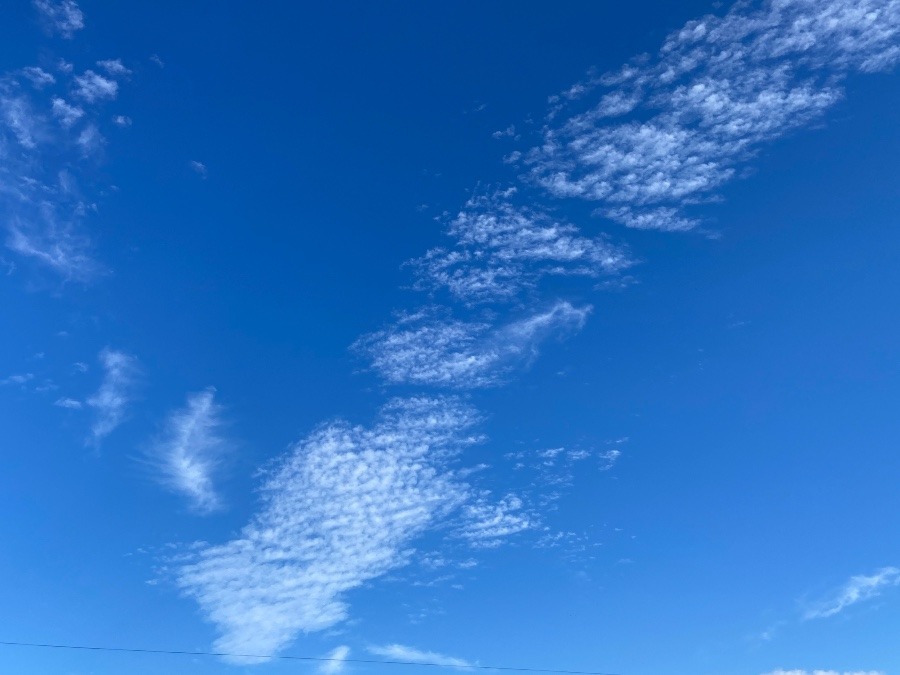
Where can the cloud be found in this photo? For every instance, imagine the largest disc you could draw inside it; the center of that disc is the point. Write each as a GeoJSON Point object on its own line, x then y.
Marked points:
{"type": "Point", "coordinates": [397, 652]}
{"type": "Point", "coordinates": [199, 168]}
{"type": "Point", "coordinates": [114, 67]}
{"type": "Point", "coordinates": [46, 141]}
{"type": "Point", "coordinates": [122, 121]}
{"type": "Point", "coordinates": [191, 451]}
{"type": "Point", "coordinates": [23, 378]}
{"type": "Point", "coordinates": [69, 403]}
{"type": "Point", "coordinates": [38, 76]}
{"type": "Point", "coordinates": [502, 249]}
{"type": "Point", "coordinates": [116, 392]}
{"type": "Point", "coordinates": [425, 349]}
{"type": "Point", "coordinates": [858, 589]}
{"type": "Point", "coordinates": [62, 17]}
{"type": "Point", "coordinates": [486, 524]}
{"type": "Point", "coordinates": [718, 90]}
{"type": "Point", "coordinates": [94, 87]}
{"type": "Point", "coordinates": [66, 114]}
{"type": "Point", "coordinates": [336, 661]}
{"type": "Point", "coordinates": [824, 672]}
{"type": "Point", "coordinates": [343, 507]}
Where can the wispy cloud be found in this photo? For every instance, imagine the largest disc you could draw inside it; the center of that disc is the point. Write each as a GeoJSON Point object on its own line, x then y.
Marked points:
{"type": "Point", "coordinates": [858, 589]}
{"type": "Point", "coordinates": [397, 652]}
{"type": "Point", "coordinates": [502, 249]}
{"type": "Point", "coordinates": [718, 90]}
{"type": "Point", "coordinates": [22, 378]}
{"type": "Point", "coordinates": [49, 130]}
{"type": "Point", "coordinates": [191, 451]}
{"type": "Point", "coordinates": [70, 403]}
{"type": "Point", "coordinates": [63, 17]}
{"type": "Point", "coordinates": [426, 349]}
{"type": "Point", "coordinates": [94, 87]}
{"type": "Point", "coordinates": [337, 659]}
{"type": "Point", "coordinates": [116, 392]}
{"type": "Point", "coordinates": [825, 672]}
{"type": "Point", "coordinates": [199, 168]}
{"type": "Point", "coordinates": [343, 507]}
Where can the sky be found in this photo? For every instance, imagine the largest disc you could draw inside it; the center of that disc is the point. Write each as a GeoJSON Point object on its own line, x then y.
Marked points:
{"type": "Point", "coordinates": [537, 335]}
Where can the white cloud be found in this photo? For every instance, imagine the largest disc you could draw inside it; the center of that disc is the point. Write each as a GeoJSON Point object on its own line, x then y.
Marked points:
{"type": "Point", "coordinates": [66, 114]}
{"type": "Point", "coordinates": [199, 168]}
{"type": "Point", "coordinates": [426, 349]}
{"type": "Point", "coordinates": [38, 76]}
{"type": "Point", "coordinates": [342, 508]}
{"type": "Point", "coordinates": [502, 249]}
{"type": "Point", "coordinates": [718, 90]}
{"type": "Point", "coordinates": [486, 524]}
{"type": "Point", "coordinates": [397, 652]}
{"type": "Point", "coordinates": [69, 403]}
{"type": "Point", "coordinates": [824, 672]}
{"type": "Point", "coordinates": [94, 87]}
{"type": "Point", "coordinates": [45, 140]}
{"type": "Point", "coordinates": [191, 451]}
{"type": "Point", "coordinates": [114, 67]}
{"type": "Point", "coordinates": [336, 661]}
{"type": "Point", "coordinates": [858, 589]}
{"type": "Point", "coordinates": [23, 378]}
{"type": "Point", "coordinates": [62, 17]}
{"type": "Point", "coordinates": [116, 392]}
{"type": "Point", "coordinates": [122, 121]}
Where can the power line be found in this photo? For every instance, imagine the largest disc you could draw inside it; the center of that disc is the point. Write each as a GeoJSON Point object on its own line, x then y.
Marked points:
{"type": "Point", "coordinates": [285, 657]}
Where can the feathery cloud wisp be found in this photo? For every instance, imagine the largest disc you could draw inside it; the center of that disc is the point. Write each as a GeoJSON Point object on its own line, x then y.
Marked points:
{"type": "Point", "coordinates": [191, 450]}
{"type": "Point", "coordinates": [111, 400]}
{"type": "Point", "coordinates": [411, 654]}
{"type": "Point", "coordinates": [858, 589]}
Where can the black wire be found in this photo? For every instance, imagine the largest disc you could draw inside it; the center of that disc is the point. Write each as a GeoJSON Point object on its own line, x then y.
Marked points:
{"type": "Point", "coordinates": [135, 650]}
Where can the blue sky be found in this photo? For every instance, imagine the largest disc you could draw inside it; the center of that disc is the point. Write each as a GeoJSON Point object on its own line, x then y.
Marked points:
{"type": "Point", "coordinates": [551, 336]}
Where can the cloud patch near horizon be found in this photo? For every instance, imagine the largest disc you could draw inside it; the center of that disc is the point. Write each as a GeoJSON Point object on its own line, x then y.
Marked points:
{"type": "Point", "coordinates": [344, 506]}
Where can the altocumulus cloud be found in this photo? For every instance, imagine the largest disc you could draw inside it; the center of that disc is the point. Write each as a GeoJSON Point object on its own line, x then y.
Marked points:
{"type": "Point", "coordinates": [661, 135]}
{"type": "Point", "coordinates": [191, 451]}
{"type": "Point", "coordinates": [50, 130]}
{"type": "Point", "coordinates": [344, 506]}
{"type": "Point", "coordinates": [502, 249]}
{"type": "Point", "coordinates": [426, 348]}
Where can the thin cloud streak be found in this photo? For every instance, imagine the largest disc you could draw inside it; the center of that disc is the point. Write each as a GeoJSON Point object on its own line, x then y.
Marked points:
{"type": "Point", "coordinates": [858, 589]}
{"type": "Point", "coordinates": [397, 652]}
{"type": "Point", "coordinates": [110, 402]}
{"type": "Point", "coordinates": [191, 451]}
